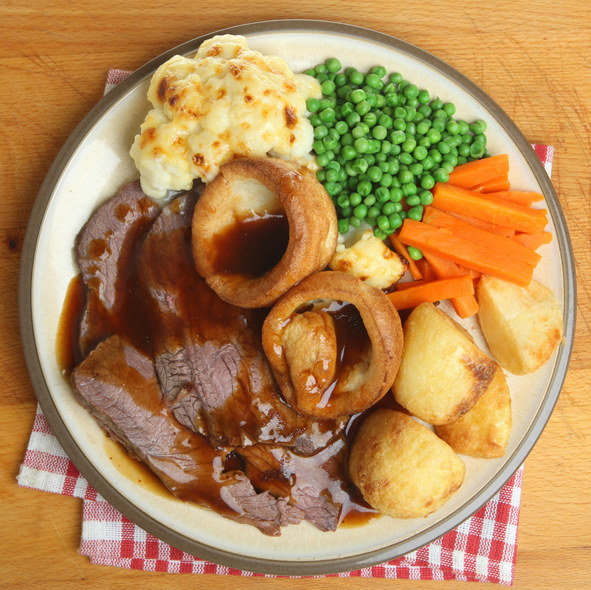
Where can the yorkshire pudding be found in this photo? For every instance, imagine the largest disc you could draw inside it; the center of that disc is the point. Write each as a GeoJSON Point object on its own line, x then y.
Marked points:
{"type": "Point", "coordinates": [334, 344]}
{"type": "Point", "coordinates": [260, 227]}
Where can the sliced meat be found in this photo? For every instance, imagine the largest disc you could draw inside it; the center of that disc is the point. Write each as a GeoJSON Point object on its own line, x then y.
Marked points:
{"type": "Point", "coordinates": [208, 353]}
{"type": "Point", "coordinates": [105, 248]}
{"type": "Point", "coordinates": [118, 385]}
{"type": "Point", "coordinates": [316, 484]}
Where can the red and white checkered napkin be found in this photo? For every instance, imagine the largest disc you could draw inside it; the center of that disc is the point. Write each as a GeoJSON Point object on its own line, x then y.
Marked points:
{"type": "Point", "coordinates": [480, 549]}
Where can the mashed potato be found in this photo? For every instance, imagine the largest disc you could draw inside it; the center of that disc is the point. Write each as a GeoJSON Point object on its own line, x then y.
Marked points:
{"type": "Point", "coordinates": [226, 101]}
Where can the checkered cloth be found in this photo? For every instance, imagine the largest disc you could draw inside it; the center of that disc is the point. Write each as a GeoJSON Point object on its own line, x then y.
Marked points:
{"type": "Point", "coordinates": [480, 549]}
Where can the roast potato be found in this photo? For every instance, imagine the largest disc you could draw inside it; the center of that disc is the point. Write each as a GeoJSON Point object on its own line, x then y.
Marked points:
{"type": "Point", "coordinates": [400, 466]}
{"type": "Point", "coordinates": [484, 430]}
{"type": "Point", "coordinates": [442, 372]}
{"type": "Point", "coordinates": [521, 325]}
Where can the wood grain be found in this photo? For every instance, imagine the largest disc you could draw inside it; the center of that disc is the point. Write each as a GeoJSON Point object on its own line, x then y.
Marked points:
{"type": "Point", "coordinates": [532, 58]}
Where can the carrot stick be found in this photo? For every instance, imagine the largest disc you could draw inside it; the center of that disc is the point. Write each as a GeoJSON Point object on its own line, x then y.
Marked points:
{"type": "Point", "coordinates": [525, 198]}
{"type": "Point", "coordinates": [460, 228]}
{"type": "Point", "coordinates": [425, 269]}
{"type": "Point", "coordinates": [480, 171]}
{"type": "Point", "coordinates": [415, 273]}
{"type": "Point", "coordinates": [432, 291]}
{"type": "Point", "coordinates": [402, 285]}
{"type": "Point", "coordinates": [456, 199]}
{"type": "Point", "coordinates": [473, 255]}
{"type": "Point", "coordinates": [508, 232]}
{"type": "Point", "coordinates": [500, 183]}
{"type": "Point", "coordinates": [466, 305]}
{"type": "Point", "coordinates": [533, 241]}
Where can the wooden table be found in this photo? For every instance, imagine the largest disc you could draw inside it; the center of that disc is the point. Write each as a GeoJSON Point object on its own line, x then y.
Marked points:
{"type": "Point", "coordinates": [533, 58]}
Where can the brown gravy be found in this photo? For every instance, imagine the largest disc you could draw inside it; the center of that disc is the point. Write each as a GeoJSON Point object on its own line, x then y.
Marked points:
{"type": "Point", "coordinates": [68, 331]}
{"type": "Point", "coordinates": [251, 246]}
{"type": "Point", "coordinates": [132, 469]}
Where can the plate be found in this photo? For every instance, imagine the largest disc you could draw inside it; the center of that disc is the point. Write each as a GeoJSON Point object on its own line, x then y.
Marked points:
{"type": "Point", "coordinates": [94, 163]}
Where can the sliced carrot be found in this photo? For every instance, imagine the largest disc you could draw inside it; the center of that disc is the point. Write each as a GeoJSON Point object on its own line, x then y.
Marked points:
{"type": "Point", "coordinates": [473, 255]}
{"type": "Point", "coordinates": [425, 269]}
{"type": "Point", "coordinates": [508, 232]}
{"type": "Point", "coordinates": [415, 273]}
{"type": "Point", "coordinates": [432, 291]}
{"type": "Point", "coordinates": [533, 241]}
{"type": "Point", "coordinates": [500, 183]}
{"type": "Point", "coordinates": [465, 305]}
{"type": "Point", "coordinates": [480, 171]}
{"type": "Point", "coordinates": [455, 199]}
{"type": "Point", "coordinates": [525, 198]}
{"type": "Point", "coordinates": [402, 285]}
{"type": "Point", "coordinates": [460, 228]}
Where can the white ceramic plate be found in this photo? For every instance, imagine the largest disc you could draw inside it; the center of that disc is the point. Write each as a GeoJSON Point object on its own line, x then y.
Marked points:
{"type": "Point", "coordinates": [94, 163]}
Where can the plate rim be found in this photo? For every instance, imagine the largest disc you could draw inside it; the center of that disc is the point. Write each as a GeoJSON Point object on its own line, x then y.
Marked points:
{"type": "Point", "coordinates": [228, 558]}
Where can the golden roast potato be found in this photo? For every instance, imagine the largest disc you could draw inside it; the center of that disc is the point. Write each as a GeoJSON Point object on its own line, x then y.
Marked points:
{"type": "Point", "coordinates": [402, 468]}
{"type": "Point", "coordinates": [521, 325]}
{"type": "Point", "coordinates": [442, 372]}
{"type": "Point", "coordinates": [484, 430]}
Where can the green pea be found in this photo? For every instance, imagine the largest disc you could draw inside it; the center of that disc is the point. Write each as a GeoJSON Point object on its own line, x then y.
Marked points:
{"type": "Point", "coordinates": [332, 64]}
{"type": "Point", "coordinates": [383, 222]}
{"type": "Point", "coordinates": [332, 176]}
{"type": "Point", "coordinates": [364, 188]}
{"type": "Point", "coordinates": [395, 220]}
{"type": "Point", "coordinates": [347, 139]}
{"type": "Point", "coordinates": [428, 163]}
{"type": "Point", "coordinates": [405, 158]}
{"type": "Point", "coordinates": [450, 109]}
{"type": "Point", "coordinates": [409, 145]}
{"type": "Point", "coordinates": [423, 96]}
{"type": "Point", "coordinates": [343, 225]}
{"type": "Point", "coordinates": [328, 87]}
{"type": "Point", "coordinates": [373, 212]}
{"type": "Point", "coordinates": [425, 196]}
{"type": "Point", "coordinates": [360, 211]}
{"type": "Point", "coordinates": [427, 181]}
{"type": "Point", "coordinates": [434, 135]}
{"type": "Point", "coordinates": [397, 137]}
{"type": "Point", "coordinates": [340, 80]}
{"type": "Point", "coordinates": [476, 149]}
{"type": "Point", "coordinates": [405, 176]}
{"type": "Point", "coordinates": [374, 81]}
{"type": "Point", "coordinates": [374, 174]}
{"type": "Point", "coordinates": [386, 180]}
{"type": "Point", "coordinates": [333, 188]}
{"type": "Point", "coordinates": [322, 159]}
{"type": "Point", "coordinates": [395, 194]}
{"type": "Point", "coordinates": [356, 78]}
{"type": "Point", "coordinates": [440, 175]}
{"type": "Point", "coordinates": [416, 168]}
{"type": "Point", "coordinates": [361, 145]}
{"type": "Point", "coordinates": [414, 253]}
{"type": "Point", "coordinates": [348, 152]}
{"type": "Point", "coordinates": [379, 132]}
{"type": "Point", "coordinates": [436, 104]}
{"type": "Point", "coordinates": [420, 152]}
